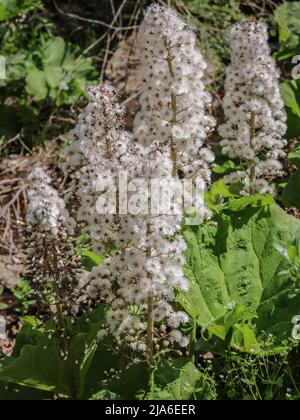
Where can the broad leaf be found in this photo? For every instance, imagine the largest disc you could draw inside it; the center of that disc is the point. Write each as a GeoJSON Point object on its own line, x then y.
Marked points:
{"type": "Point", "coordinates": [11, 392]}
{"type": "Point", "coordinates": [179, 379]}
{"type": "Point", "coordinates": [216, 195]}
{"type": "Point", "coordinates": [132, 383]}
{"type": "Point", "coordinates": [234, 262]}
{"type": "Point", "coordinates": [38, 351]}
{"type": "Point", "coordinates": [38, 367]}
{"type": "Point", "coordinates": [291, 193]}
{"type": "Point", "coordinates": [171, 380]}
{"type": "Point", "coordinates": [290, 92]}
{"type": "Point", "coordinates": [293, 125]}
{"type": "Point", "coordinates": [256, 200]}
{"type": "Point", "coordinates": [295, 157]}
{"type": "Point", "coordinates": [36, 84]}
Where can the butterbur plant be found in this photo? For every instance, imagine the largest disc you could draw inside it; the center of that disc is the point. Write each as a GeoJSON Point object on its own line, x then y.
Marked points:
{"type": "Point", "coordinates": [53, 265]}
{"type": "Point", "coordinates": [255, 119]}
{"type": "Point", "coordinates": [52, 262]}
{"type": "Point", "coordinates": [136, 279]}
{"type": "Point", "coordinates": [139, 279]}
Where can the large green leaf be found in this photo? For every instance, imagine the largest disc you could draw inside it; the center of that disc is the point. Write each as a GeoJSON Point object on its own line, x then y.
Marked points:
{"type": "Point", "coordinates": [295, 157]}
{"type": "Point", "coordinates": [171, 380]}
{"type": "Point", "coordinates": [38, 367]}
{"type": "Point", "coordinates": [36, 84]}
{"type": "Point", "coordinates": [11, 392]}
{"type": "Point", "coordinates": [291, 193]}
{"type": "Point", "coordinates": [38, 351]}
{"type": "Point", "coordinates": [54, 52]}
{"type": "Point", "coordinates": [293, 125]}
{"type": "Point", "coordinates": [84, 344]}
{"type": "Point", "coordinates": [180, 380]}
{"type": "Point", "coordinates": [233, 262]}
{"type": "Point", "coordinates": [290, 92]}
{"type": "Point", "coordinates": [103, 361]}
{"type": "Point", "coordinates": [132, 383]}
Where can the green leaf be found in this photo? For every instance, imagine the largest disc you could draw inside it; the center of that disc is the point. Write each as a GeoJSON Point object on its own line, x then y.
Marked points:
{"type": "Point", "coordinates": [103, 361]}
{"type": "Point", "coordinates": [11, 392]}
{"type": "Point", "coordinates": [30, 333]}
{"type": "Point", "coordinates": [256, 200]}
{"type": "Point", "coordinates": [132, 383]}
{"type": "Point", "coordinates": [235, 263]}
{"type": "Point", "coordinates": [53, 75]}
{"type": "Point", "coordinates": [35, 369]}
{"type": "Point", "coordinates": [15, 65]}
{"type": "Point", "coordinates": [171, 380]}
{"type": "Point", "coordinates": [295, 157]}
{"type": "Point", "coordinates": [38, 350]}
{"type": "Point", "coordinates": [84, 344]}
{"type": "Point", "coordinates": [236, 330]}
{"type": "Point", "coordinates": [91, 260]}
{"type": "Point", "coordinates": [290, 92]}
{"type": "Point", "coordinates": [293, 125]}
{"type": "Point", "coordinates": [216, 195]}
{"type": "Point", "coordinates": [36, 84]}
{"type": "Point", "coordinates": [287, 17]}
{"type": "Point", "coordinates": [227, 167]}
{"type": "Point", "coordinates": [54, 52]}
{"type": "Point", "coordinates": [291, 193]}
{"type": "Point", "coordinates": [179, 379]}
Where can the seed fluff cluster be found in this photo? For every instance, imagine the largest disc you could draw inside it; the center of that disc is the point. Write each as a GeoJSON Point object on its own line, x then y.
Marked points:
{"type": "Point", "coordinates": [50, 246]}
{"type": "Point", "coordinates": [144, 252]}
{"type": "Point", "coordinates": [174, 102]}
{"type": "Point", "coordinates": [255, 120]}
{"type": "Point", "coordinates": [141, 267]}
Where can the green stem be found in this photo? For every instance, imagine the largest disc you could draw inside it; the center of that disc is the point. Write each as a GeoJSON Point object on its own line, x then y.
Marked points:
{"type": "Point", "coordinates": [63, 326]}
{"type": "Point", "coordinates": [193, 342]}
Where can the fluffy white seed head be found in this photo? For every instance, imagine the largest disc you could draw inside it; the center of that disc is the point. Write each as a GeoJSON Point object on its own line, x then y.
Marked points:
{"type": "Point", "coordinates": [46, 210]}
{"type": "Point", "coordinates": [174, 101]}
{"type": "Point", "coordinates": [255, 119]}
{"type": "Point", "coordinates": [143, 263]}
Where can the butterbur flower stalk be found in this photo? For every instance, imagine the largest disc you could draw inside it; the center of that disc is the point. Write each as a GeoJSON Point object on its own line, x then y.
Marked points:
{"type": "Point", "coordinates": [104, 146]}
{"type": "Point", "coordinates": [172, 127]}
{"type": "Point", "coordinates": [174, 103]}
{"type": "Point", "coordinates": [52, 263]}
{"type": "Point", "coordinates": [255, 119]}
{"type": "Point", "coordinates": [140, 275]}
